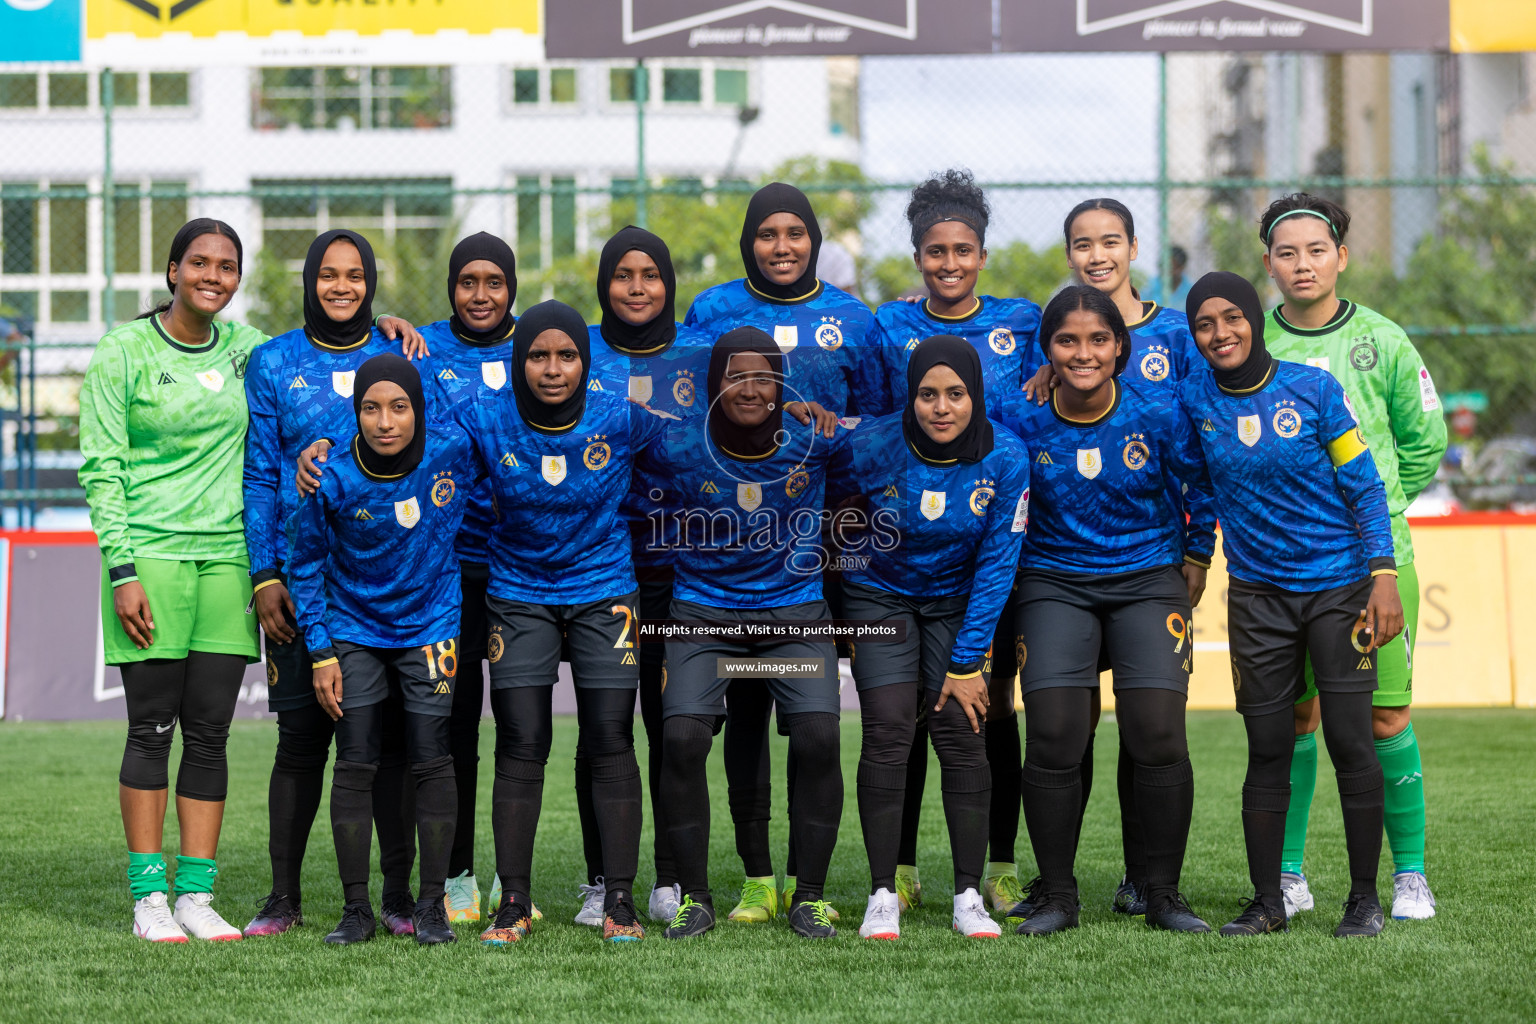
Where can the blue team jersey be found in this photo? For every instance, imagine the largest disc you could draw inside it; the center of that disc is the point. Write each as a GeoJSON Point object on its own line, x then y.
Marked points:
{"type": "Point", "coordinates": [373, 560]}
{"type": "Point", "coordinates": [1301, 504]}
{"type": "Point", "coordinates": [1162, 348]}
{"type": "Point", "coordinates": [558, 536]}
{"type": "Point", "coordinates": [936, 531]}
{"type": "Point", "coordinates": [461, 370]}
{"type": "Point", "coordinates": [1103, 491]}
{"type": "Point", "coordinates": [298, 392]}
{"type": "Point", "coordinates": [1001, 330]}
{"type": "Point", "coordinates": [671, 382]}
{"type": "Point", "coordinates": [748, 532]}
{"type": "Point", "coordinates": [830, 353]}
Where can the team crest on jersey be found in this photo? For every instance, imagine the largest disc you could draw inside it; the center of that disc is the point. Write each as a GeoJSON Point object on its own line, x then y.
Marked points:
{"type": "Point", "coordinates": [829, 334]}
{"type": "Point", "coordinates": [494, 375]}
{"type": "Point", "coordinates": [1364, 356]}
{"type": "Point", "coordinates": [271, 672]}
{"type": "Point", "coordinates": [298, 382]}
{"type": "Point", "coordinates": [640, 388]}
{"type": "Point", "coordinates": [1089, 462]}
{"type": "Point", "coordinates": [213, 380]}
{"type": "Point", "coordinates": [749, 496]}
{"type": "Point", "coordinates": [982, 496]}
{"type": "Point", "coordinates": [786, 336]}
{"type": "Point", "coordinates": [495, 646]}
{"type": "Point", "coordinates": [408, 512]}
{"type": "Point", "coordinates": [1021, 514]}
{"type": "Point", "coordinates": [682, 389]}
{"type": "Point", "coordinates": [1135, 454]}
{"type": "Point", "coordinates": [1021, 653]}
{"type": "Point", "coordinates": [239, 361]}
{"type": "Point", "coordinates": [1287, 421]}
{"type": "Point", "coordinates": [932, 505]}
{"type": "Point", "coordinates": [553, 468]}
{"type": "Point", "coordinates": [442, 490]}
{"type": "Point", "coordinates": [1154, 365]}
{"type": "Point", "coordinates": [798, 481]}
{"type": "Point", "coordinates": [362, 515]}
{"type": "Point", "coordinates": [341, 382]}
{"type": "Point", "coordinates": [1001, 341]}
{"type": "Point", "coordinates": [1248, 430]}
{"type": "Point", "coordinates": [597, 454]}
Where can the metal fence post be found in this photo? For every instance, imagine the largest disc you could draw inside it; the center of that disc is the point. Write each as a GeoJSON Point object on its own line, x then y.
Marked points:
{"type": "Point", "coordinates": [1164, 246]}
{"type": "Point", "coordinates": [108, 201]}
{"type": "Point", "coordinates": [642, 89]}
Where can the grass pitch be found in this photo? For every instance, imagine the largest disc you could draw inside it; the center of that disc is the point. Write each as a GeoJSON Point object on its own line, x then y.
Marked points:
{"type": "Point", "coordinates": [67, 953]}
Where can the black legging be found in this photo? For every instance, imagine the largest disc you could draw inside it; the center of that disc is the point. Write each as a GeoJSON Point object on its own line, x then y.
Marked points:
{"type": "Point", "coordinates": [464, 719]}
{"type": "Point", "coordinates": [524, 733]}
{"type": "Point", "coordinates": [1057, 727]}
{"type": "Point", "coordinates": [889, 729]}
{"type": "Point", "coordinates": [748, 773]}
{"type": "Point", "coordinates": [1267, 790]}
{"type": "Point", "coordinates": [198, 692]}
{"type": "Point", "coordinates": [360, 741]}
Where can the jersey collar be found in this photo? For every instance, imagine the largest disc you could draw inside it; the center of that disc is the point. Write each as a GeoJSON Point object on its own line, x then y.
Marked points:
{"type": "Point", "coordinates": [1340, 317]}
{"type": "Point", "coordinates": [970, 314]}
{"type": "Point", "coordinates": [213, 337]}
{"type": "Point", "coordinates": [1106, 414]}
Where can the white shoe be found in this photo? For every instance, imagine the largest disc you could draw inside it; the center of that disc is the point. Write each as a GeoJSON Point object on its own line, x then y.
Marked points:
{"type": "Point", "coordinates": [882, 917]}
{"type": "Point", "coordinates": [665, 901]}
{"type": "Point", "coordinates": [152, 920]}
{"type": "Point", "coordinates": [971, 917]}
{"type": "Point", "coordinates": [592, 897]}
{"type": "Point", "coordinates": [1293, 886]}
{"type": "Point", "coordinates": [1411, 898]}
{"type": "Point", "coordinates": [195, 914]}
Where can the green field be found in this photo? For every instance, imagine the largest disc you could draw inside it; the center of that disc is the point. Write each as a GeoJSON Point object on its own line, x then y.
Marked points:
{"type": "Point", "coordinates": [66, 951]}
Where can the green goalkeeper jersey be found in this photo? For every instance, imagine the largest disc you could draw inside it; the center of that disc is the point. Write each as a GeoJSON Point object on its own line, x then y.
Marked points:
{"type": "Point", "coordinates": [1389, 391]}
{"type": "Point", "coordinates": [162, 429]}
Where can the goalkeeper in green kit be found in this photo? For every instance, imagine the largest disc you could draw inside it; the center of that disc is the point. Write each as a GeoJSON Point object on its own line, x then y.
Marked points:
{"type": "Point", "coordinates": [1393, 398]}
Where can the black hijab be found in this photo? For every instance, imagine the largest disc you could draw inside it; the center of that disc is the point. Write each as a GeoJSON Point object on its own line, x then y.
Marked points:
{"type": "Point", "coordinates": [482, 246]}
{"type": "Point", "coordinates": [729, 436]}
{"type": "Point", "coordinates": [321, 328]}
{"type": "Point", "coordinates": [549, 316]}
{"type": "Point", "coordinates": [1223, 284]}
{"type": "Point", "coordinates": [975, 441]}
{"type": "Point", "coordinates": [656, 334]}
{"type": "Point", "coordinates": [396, 370]}
{"type": "Point", "coordinates": [767, 201]}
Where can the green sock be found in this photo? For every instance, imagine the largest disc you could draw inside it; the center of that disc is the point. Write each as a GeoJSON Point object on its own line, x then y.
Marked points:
{"type": "Point", "coordinates": [195, 874]}
{"type": "Point", "coordinates": [146, 873]}
{"type": "Point", "coordinates": [1303, 783]}
{"type": "Point", "coordinates": [1401, 769]}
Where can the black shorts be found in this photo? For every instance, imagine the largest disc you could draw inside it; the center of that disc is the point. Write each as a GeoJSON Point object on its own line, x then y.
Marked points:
{"type": "Point", "coordinates": [290, 681]}
{"type": "Point", "coordinates": [692, 683]}
{"type": "Point", "coordinates": [528, 642]}
{"type": "Point", "coordinates": [1005, 644]}
{"type": "Point", "coordinates": [655, 603]}
{"type": "Point", "coordinates": [423, 676]}
{"type": "Point", "coordinates": [923, 656]}
{"type": "Point", "coordinates": [1140, 619]}
{"type": "Point", "coordinates": [473, 628]}
{"type": "Point", "coordinates": [1271, 632]}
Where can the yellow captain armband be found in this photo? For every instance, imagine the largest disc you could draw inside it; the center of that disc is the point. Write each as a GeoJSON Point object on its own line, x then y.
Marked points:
{"type": "Point", "coordinates": [322, 664]}
{"type": "Point", "coordinates": [1346, 447]}
{"type": "Point", "coordinates": [265, 583]}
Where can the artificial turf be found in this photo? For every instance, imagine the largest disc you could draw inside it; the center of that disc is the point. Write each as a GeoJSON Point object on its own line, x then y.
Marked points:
{"type": "Point", "coordinates": [67, 953]}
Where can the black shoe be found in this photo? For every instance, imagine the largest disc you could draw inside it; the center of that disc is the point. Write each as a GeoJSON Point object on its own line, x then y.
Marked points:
{"type": "Point", "coordinates": [279, 912]}
{"type": "Point", "coordinates": [395, 912]}
{"type": "Point", "coordinates": [620, 922]}
{"type": "Point", "coordinates": [1257, 918]}
{"type": "Point", "coordinates": [1362, 916]}
{"type": "Point", "coordinates": [357, 925]}
{"type": "Point", "coordinates": [1054, 912]}
{"type": "Point", "coordinates": [812, 920]}
{"type": "Point", "coordinates": [430, 920]}
{"type": "Point", "coordinates": [1130, 898]}
{"type": "Point", "coordinates": [1026, 906]}
{"type": "Point", "coordinates": [692, 919]}
{"type": "Point", "coordinates": [1171, 913]}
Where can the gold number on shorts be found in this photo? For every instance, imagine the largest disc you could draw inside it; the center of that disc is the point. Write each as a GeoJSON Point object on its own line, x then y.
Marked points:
{"type": "Point", "coordinates": [445, 661]}
{"type": "Point", "coordinates": [629, 620]}
{"type": "Point", "coordinates": [1178, 630]}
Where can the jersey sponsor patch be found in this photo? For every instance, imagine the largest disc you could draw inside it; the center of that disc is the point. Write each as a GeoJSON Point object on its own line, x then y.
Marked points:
{"type": "Point", "coordinates": [1249, 429]}
{"type": "Point", "coordinates": [341, 382]}
{"type": "Point", "coordinates": [1321, 362]}
{"type": "Point", "coordinates": [213, 380]}
{"type": "Point", "coordinates": [1349, 407]}
{"type": "Point", "coordinates": [1089, 463]}
{"type": "Point", "coordinates": [786, 336]}
{"type": "Point", "coordinates": [932, 505]}
{"type": "Point", "coordinates": [640, 388]}
{"type": "Point", "coordinates": [408, 512]}
{"type": "Point", "coordinates": [493, 375]}
{"type": "Point", "coordinates": [749, 496]}
{"type": "Point", "coordinates": [553, 468]}
{"type": "Point", "coordinates": [1021, 515]}
{"type": "Point", "coordinates": [849, 422]}
{"type": "Point", "coordinates": [1428, 397]}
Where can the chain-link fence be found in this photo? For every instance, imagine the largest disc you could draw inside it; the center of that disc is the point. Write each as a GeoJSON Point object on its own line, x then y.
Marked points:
{"type": "Point", "coordinates": [1434, 155]}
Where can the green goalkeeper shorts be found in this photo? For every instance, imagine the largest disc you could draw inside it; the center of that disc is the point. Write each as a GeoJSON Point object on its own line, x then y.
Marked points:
{"type": "Point", "coordinates": [195, 606]}
{"type": "Point", "coordinates": [1394, 662]}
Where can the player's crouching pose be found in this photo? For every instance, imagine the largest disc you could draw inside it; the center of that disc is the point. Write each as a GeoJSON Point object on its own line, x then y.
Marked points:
{"type": "Point", "coordinates": [1110, 566]}
{"type": "Point", "coordinates": [947, 496]}
{"type": "Point", "coordinates": [1309, 549]}
{"type": "Point", "coordinates": [373, 576]}
{"type": "Point", "coordinates": [748, 491]}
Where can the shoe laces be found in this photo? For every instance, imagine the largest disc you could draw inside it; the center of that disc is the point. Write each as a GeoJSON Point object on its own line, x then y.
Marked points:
{"type": "Point", "coordinates": [1415, 886]}
{"type": "Point", "coordinates": [883, 910]}
{"type": "Point", "coordinates": [512, 914]}
{"type": "Point", "coordinates": [1175, 901]}
{"type": "Point", "coordinates": [1255, 910]}
{"type": "Point", "coordinates": [591, 892]}
{"type": "Point", "coordinates": [275, 904]}
{"type": "Point", "coordinates": [755, 893]}
{"type": "Point", "coordinates": [821, 912]}
{"type": "Point", "coordinates": [1356, 905]}
{"type": "Point", "coordinates": [1008, 889]}
{"type": "Point", "coordinates": [355, 913]}
{"type": "Point", "coordinates": [159, 909]}
{"type": "Point", "coordinates": [623, 913]}
{"type": "Point", "coordinates": [399, 903]}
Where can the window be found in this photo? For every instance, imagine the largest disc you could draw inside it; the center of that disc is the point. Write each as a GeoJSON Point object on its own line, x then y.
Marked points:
{"type": "Point", "coordinates": [18, 91]}
{"type": "Point", "coordinates": [546, 219]}
{"type": "Point", "coordinates": [69, 90]}
{"type": "Point", "coordinates": [562, 85]}
{"type": "Point", "coordinates": [623, 83]}
{"type": "Point", "coordinates": [681, 85]}
{"type": "Point", "coordinates": [353, 97]}
{"type": "Point", "coordinates": [78, 90]}
{"type": "Point", "coordinates": [731, 87]}
{"type": "Point", "coordinates": [170, 89]}
{"type": "Point", "coordinates": [125, 89]}
{"type": "Point", "coordinates": [525, 85]}
{"type": "Point", "coordinates": [291, 220]}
